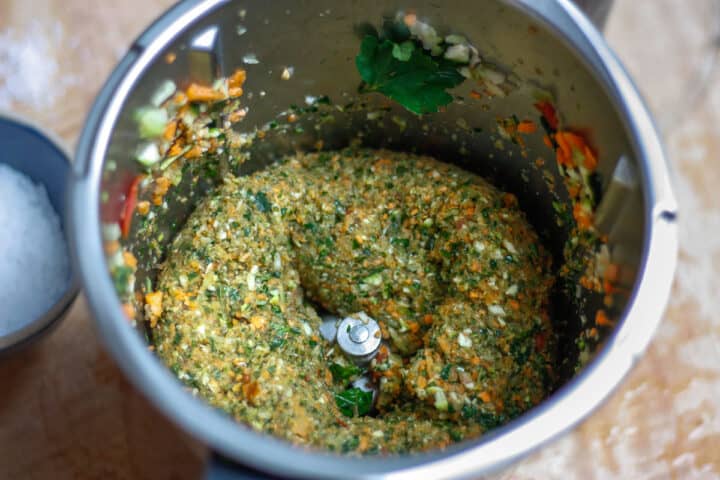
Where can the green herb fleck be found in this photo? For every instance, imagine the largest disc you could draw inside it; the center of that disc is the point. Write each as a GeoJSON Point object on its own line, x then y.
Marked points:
{"type": "Point", "coordinates": [262, 202]}
{"type": "Point", "coordinates": [342, 373]}
{"type": "Point", "coordinates": [354, 402]}
{"type": "Point", "coordinates": [403, 51]}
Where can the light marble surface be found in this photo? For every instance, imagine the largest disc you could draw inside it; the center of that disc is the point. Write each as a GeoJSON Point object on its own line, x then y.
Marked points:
{"type": "Point", "coordinates": [67, 412]}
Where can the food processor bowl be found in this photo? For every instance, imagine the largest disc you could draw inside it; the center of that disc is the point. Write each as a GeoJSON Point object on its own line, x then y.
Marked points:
{"type": "Point", "coordinates": [296, 53]}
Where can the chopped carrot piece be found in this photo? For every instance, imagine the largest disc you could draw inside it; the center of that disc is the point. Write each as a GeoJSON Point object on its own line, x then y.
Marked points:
{"type": "Point", "coordinates": [601, 319]}
{"type": "Point", "coordinates": [563, 158]}
{"type": "Point", "coordinates": [484, 396]}
{"type": "Point", "coordinates": [174, 150]}
{"type": "Point", "coordinates": [383, 162]}
{"type": "Point", "coordinates": [129, 259]}
{"type": "Point", "coordinates": [582, 217]}
{"type": "Point", "coordinates": [143, 207]}
{"type": "Point", "coordinates": [476, 95]}
{"type": "Point", "coordinates": [509, 200]}
{"type": "Point", "coordinates": [590, 159]}
{"type": "Point", "coordinates": [170, 130]}
{"type": "Point", "coordinates": [179, 99]}
{"type": "Point", "coordinates": [154, 308]}
{"type": "Point", "coordinates": [251, 390]}
{"type": "Point", "coordinates": [526, 126]}
{"type": "Point", "coordinates": [201, 93]}
{"type": "Point", "coordinates": [237, 79]}
{"type": "Point", "coordinates": [564, 145]}
{"type": "Point", "coordinates": [194, 152]}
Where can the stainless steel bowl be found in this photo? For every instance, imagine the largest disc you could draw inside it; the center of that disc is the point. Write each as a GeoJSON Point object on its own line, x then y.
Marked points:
{"type": "Point", "coordinates": [549, 43]}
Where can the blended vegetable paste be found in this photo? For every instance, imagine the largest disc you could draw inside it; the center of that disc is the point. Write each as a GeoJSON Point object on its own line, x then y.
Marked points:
{"type": "Point", "coordinates": [446, 263]}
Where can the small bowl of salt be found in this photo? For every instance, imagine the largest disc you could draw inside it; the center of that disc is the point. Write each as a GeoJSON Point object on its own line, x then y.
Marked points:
{"type": "Point", "coordinates": [37, 283]}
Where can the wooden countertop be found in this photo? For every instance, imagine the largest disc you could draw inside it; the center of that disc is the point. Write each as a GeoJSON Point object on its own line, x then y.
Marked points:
{"type": "Point", "coordinates": [66, 411]}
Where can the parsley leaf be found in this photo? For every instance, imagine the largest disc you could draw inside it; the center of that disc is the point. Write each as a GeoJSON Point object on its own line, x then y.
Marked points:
{"type": "Point", "coordinates": [403, 51]}
{"type": "Point", "coordinates": [407, 74]}
{"type": "Point", "coordinates": [354, 402]}
{"type": "Point", "coordinates": [341, 372]}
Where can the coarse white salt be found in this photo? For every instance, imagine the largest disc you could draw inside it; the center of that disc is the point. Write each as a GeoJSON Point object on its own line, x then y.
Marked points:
{"type": "Point", "coordinates": [34, 260]}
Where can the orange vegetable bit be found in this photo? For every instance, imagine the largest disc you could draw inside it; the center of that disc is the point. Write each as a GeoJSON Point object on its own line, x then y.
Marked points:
{"type": "Point", "coordinates": [590, 159]}
{"type": "Point", "coordinates": [235, 92]}
{"type": "Point", "coordinates": [509, 200]}
{"type": "Point", "coordinates": [582, 216]}
{"type": "Point", "coordinates": [201, 93]}
{"type": "Point", "coordinates": [577, 142]}
{"type": "Point", "coordinates": [194, 152]}
{"type": "Point", "coordinates": [170, 129]}
{"type": "Point", "coordinates": [564, 146]}
{"type": "Point", "coordinates": [526, 126]}
{"type": "Point", "coordinates": [602, 320]}
{"type": "Point", "coordinates": [237, 79]}
{"type": "Point", "coordinates": [476, 95]}
{"type": "Point", "coordinates": [563, 158]}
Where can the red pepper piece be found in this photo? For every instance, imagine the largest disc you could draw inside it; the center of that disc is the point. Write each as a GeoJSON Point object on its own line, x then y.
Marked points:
{"type": "Point", "coordinates": [548, 112]}
{"type": "Point", "coordinates": [129, 206]}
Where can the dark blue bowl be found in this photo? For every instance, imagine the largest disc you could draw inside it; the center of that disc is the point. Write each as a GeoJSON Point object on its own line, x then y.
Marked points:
{"type": "Point", "coordinates": [27, 149]}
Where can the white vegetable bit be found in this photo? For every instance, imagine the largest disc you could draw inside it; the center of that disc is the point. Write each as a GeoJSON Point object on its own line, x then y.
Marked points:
{"type": "Point", "coordinates": [250, 59]}
{"type": "Point", "coordinates": [287, 73]}
{"type": "Point", "coordinates": [251, 278]}
{"type": "Point", "coordinates": [458, 53]}
{"type": "Point", "coordinates": [464, 341]}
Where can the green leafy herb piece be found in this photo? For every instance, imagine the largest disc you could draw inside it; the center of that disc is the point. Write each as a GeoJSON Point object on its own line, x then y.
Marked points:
{"type": "Point", "coordinates": [400, 242]}
{"type": "Point", "coordinates": [342, 373]}
{"type": "Point", "coordinates": [407, 74]}
{"type": "Point", "coordinates": [403, 51]}
{"type": "Point", "coordinates": [445, 373]}
{"type": "Point", "coordinates": [262, 202]}
{"type": "Point", "coordinates": [354, 402]}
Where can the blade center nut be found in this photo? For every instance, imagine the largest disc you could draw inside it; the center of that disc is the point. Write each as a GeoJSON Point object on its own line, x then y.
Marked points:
{"type": "Point", "coordinates": [359, 333]}
{"type": "Point", "coordinates": [359, 337]}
